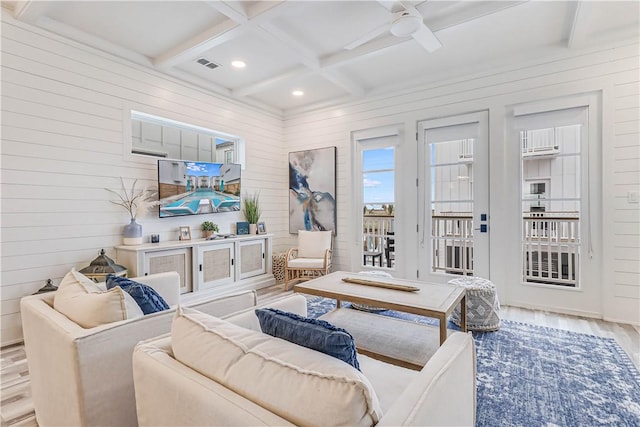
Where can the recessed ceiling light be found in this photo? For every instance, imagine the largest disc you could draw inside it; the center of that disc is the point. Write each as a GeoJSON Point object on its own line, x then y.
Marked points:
{"type": "Point", "coordinates": [238, 64]}
{"type": "Point", "coordinates": [297, 93]}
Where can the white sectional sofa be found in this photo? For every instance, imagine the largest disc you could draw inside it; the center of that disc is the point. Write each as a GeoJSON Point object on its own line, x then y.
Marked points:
{"type": "Point", "coordinates": [210, 371]}
{"type": "Point", "coordinates": [83, 376]}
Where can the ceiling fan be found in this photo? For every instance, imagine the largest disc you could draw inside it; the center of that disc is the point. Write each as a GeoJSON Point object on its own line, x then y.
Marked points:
{"type": "Point", "coordinates": [405, 21]}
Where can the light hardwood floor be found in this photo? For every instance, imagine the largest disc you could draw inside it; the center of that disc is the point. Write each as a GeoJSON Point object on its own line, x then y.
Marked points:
{"type": "Point", "coordinates": [16, 407]}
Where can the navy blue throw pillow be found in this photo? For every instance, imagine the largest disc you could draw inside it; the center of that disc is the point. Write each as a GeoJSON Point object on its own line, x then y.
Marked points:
{"type": "Point", "coordinates": [146, 297]}
{"type": "Point", "coordinates": [315, 334]}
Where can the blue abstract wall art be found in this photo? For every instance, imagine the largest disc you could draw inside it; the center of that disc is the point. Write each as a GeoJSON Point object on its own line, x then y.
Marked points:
{"type": "Point", "coordinates": [312, 190]}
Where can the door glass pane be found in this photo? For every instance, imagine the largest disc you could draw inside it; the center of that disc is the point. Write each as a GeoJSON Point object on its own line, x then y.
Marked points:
{"type": "Point", "coordinates": [378, 207]}
{"type": "Point", "coordinates": [551, 198]}
{"type": "Point", "coordinates": [451, 170]}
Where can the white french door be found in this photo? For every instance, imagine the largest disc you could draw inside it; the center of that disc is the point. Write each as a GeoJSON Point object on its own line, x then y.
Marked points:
{"type": "Point", "coordinates": [453, 193]}
{"type": "Point", "coordinates": [558, 154]}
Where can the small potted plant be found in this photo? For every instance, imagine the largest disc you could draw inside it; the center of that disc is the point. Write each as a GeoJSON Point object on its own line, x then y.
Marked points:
{"type": "Point", "coordinates": [251, 210]}
{"type": "Point", "coordinates": [209, 228]}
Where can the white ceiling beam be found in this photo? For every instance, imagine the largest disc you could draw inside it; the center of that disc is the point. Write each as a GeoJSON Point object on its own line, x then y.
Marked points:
{"type": "Point", "coordinates": [264, 11]}
{"type": "Point", "coordinates": [304, 54]}
{"type": "Point", "coordinates": [30, 11]}
{"type": "Point", "coordinates": [578, 33]}
{"type": "Point", "coordinates": [231, 10]}
{"type": "Point", "coordinates": [200, 43]}
{"type": "Point", "coordinates": [370, 48]}
{"type": "Point", "coordinates": [221, 33]}
{"type": "Point", "coordinates": [344, 82]}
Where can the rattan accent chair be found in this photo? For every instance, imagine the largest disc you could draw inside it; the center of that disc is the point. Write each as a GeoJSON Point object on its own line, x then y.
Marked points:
{"type": "Point", "coordinates": [311, 258]}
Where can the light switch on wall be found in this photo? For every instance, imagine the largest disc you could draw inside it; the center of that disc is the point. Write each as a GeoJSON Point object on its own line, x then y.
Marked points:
{"type": "Point", "coordinates": [632, 197]}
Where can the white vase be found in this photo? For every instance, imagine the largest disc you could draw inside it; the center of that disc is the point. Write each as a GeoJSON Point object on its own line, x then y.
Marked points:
{"type": "Point", "coordinates": [132, 234]}
{"type": "Point", "coordinates": [253, 228]}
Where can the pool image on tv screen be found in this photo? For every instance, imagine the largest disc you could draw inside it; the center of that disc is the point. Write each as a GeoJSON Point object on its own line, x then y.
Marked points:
{"type": "Point", "coordinates": [191, 188]}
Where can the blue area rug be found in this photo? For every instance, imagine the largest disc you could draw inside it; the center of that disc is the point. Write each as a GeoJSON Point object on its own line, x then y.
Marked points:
{"type": "Point", "coordinates": [531, 375]}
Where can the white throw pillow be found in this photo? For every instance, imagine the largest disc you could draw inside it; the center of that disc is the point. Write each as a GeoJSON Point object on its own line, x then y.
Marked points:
{"type": "Point", "coordinates": [313, 244]}
{"type": "Point", "coordinates": [82, 301]}
{"type": "Point", "coordinates": [301, 385]}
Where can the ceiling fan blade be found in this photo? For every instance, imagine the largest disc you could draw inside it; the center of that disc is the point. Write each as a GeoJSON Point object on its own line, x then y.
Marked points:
{"type": "Point", "coordinates": [368, 37]}
{"type": "Point", "coordinates": [426, 38]}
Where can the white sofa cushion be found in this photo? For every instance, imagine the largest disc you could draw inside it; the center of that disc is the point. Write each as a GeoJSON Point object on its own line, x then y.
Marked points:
{"type": "Point", "coordinates": [313, 244]}
{"type": "Point", "coordinates": [82, 301]}
{"type": "Point", "coordinates": [301, 385]}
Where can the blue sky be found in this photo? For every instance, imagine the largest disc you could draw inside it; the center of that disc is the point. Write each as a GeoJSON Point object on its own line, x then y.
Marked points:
{"type": "Point", "coordinates": [203, 169]}
{"type": "Point", "coordinates": [379, 183]}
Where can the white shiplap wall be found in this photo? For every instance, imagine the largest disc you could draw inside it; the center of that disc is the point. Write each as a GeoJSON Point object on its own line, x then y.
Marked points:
{"type": "Point", "coordinates": [611, 71]}
{"type": "Point", "coordinates": [63, 109]}
{"type": "Point", "coordinates": [624, 228]}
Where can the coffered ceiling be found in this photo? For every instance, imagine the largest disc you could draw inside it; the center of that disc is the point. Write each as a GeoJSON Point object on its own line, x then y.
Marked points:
{"type": "Point", "coordinates": [333, 51]}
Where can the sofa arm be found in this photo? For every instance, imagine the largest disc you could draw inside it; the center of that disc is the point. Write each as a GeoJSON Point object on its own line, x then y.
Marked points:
{"type": "Point", "coordinates": [166, 284]}
{"type": "Point", "coordinates": [444, 393]}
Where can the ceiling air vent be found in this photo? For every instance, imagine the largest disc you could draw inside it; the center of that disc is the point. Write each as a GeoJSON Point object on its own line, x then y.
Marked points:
{"type": "Point", "coordinates": [207, 63]}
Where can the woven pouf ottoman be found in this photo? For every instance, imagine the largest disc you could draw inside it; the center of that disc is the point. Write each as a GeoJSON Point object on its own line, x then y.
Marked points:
{"type": "Point", "coordinates": [278, 266]}
{"type": "Point", "coordinates": [483, 307]}
{"type": "Point", "coordinates": [366, 307]}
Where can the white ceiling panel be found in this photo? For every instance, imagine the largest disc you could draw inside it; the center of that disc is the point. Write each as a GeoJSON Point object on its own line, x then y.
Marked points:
{"type": "Point", "coordinates": [264, 58]}
{"type": "Point", "coordinates": [149, 28]}
{"type": "Point", "coordinates": [328, 26]}
{"type": "Point", "coordinates": [291, 43]}
{"type": "Point", "coordinates": [316, 90]}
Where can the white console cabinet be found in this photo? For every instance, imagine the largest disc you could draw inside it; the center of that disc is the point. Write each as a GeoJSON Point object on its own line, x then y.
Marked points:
{"type": "Point", "coordinates": [205, 266]}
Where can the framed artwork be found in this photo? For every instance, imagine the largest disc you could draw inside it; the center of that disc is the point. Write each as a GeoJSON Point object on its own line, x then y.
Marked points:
{"type": "Point", "coordinates": [312, 190]}
{"type": "Point", "coordinates": [262, 228]}
{"type": "Point", "coordinates": [242, 228]}
{"type": "Point", "coordinates": [185, 233]}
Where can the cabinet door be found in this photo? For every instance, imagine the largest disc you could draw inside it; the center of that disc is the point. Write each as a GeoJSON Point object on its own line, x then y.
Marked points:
{"type": "Point", "coordinates": [215, 265]}
{"type": "Point", "coordinates": [171, 260]}
{"type": "Point", "coordinates": [151, 136]}
{"type": "Point", "coordinates": [251, 258]}
{"type": "Point", "coordinates": [189, 145]}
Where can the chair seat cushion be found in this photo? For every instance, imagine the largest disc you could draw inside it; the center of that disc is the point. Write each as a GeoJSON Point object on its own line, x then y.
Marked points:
{"type": "Point", "coordinates": [306, 263]}
{"type": "Point", "coordinates": [304, 386]}
{"type": "Point", "coordinates": [315, 334]}
{"type": "Point", "coordinates": [82, 301]}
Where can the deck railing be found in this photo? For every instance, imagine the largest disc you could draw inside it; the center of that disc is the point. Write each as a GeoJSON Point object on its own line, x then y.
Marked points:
{"type": "Point", "coordinates": [551, 246]}
{"type": "Point", "coordinates": [376, 229]}
{"type": "Point", "coordinates": [539, 141]}
{"type": "Point", "coordinates": [452, 242]}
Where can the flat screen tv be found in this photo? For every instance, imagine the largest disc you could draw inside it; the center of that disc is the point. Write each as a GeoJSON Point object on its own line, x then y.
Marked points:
{"type": "Point", "coordinates": [191, 188]}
